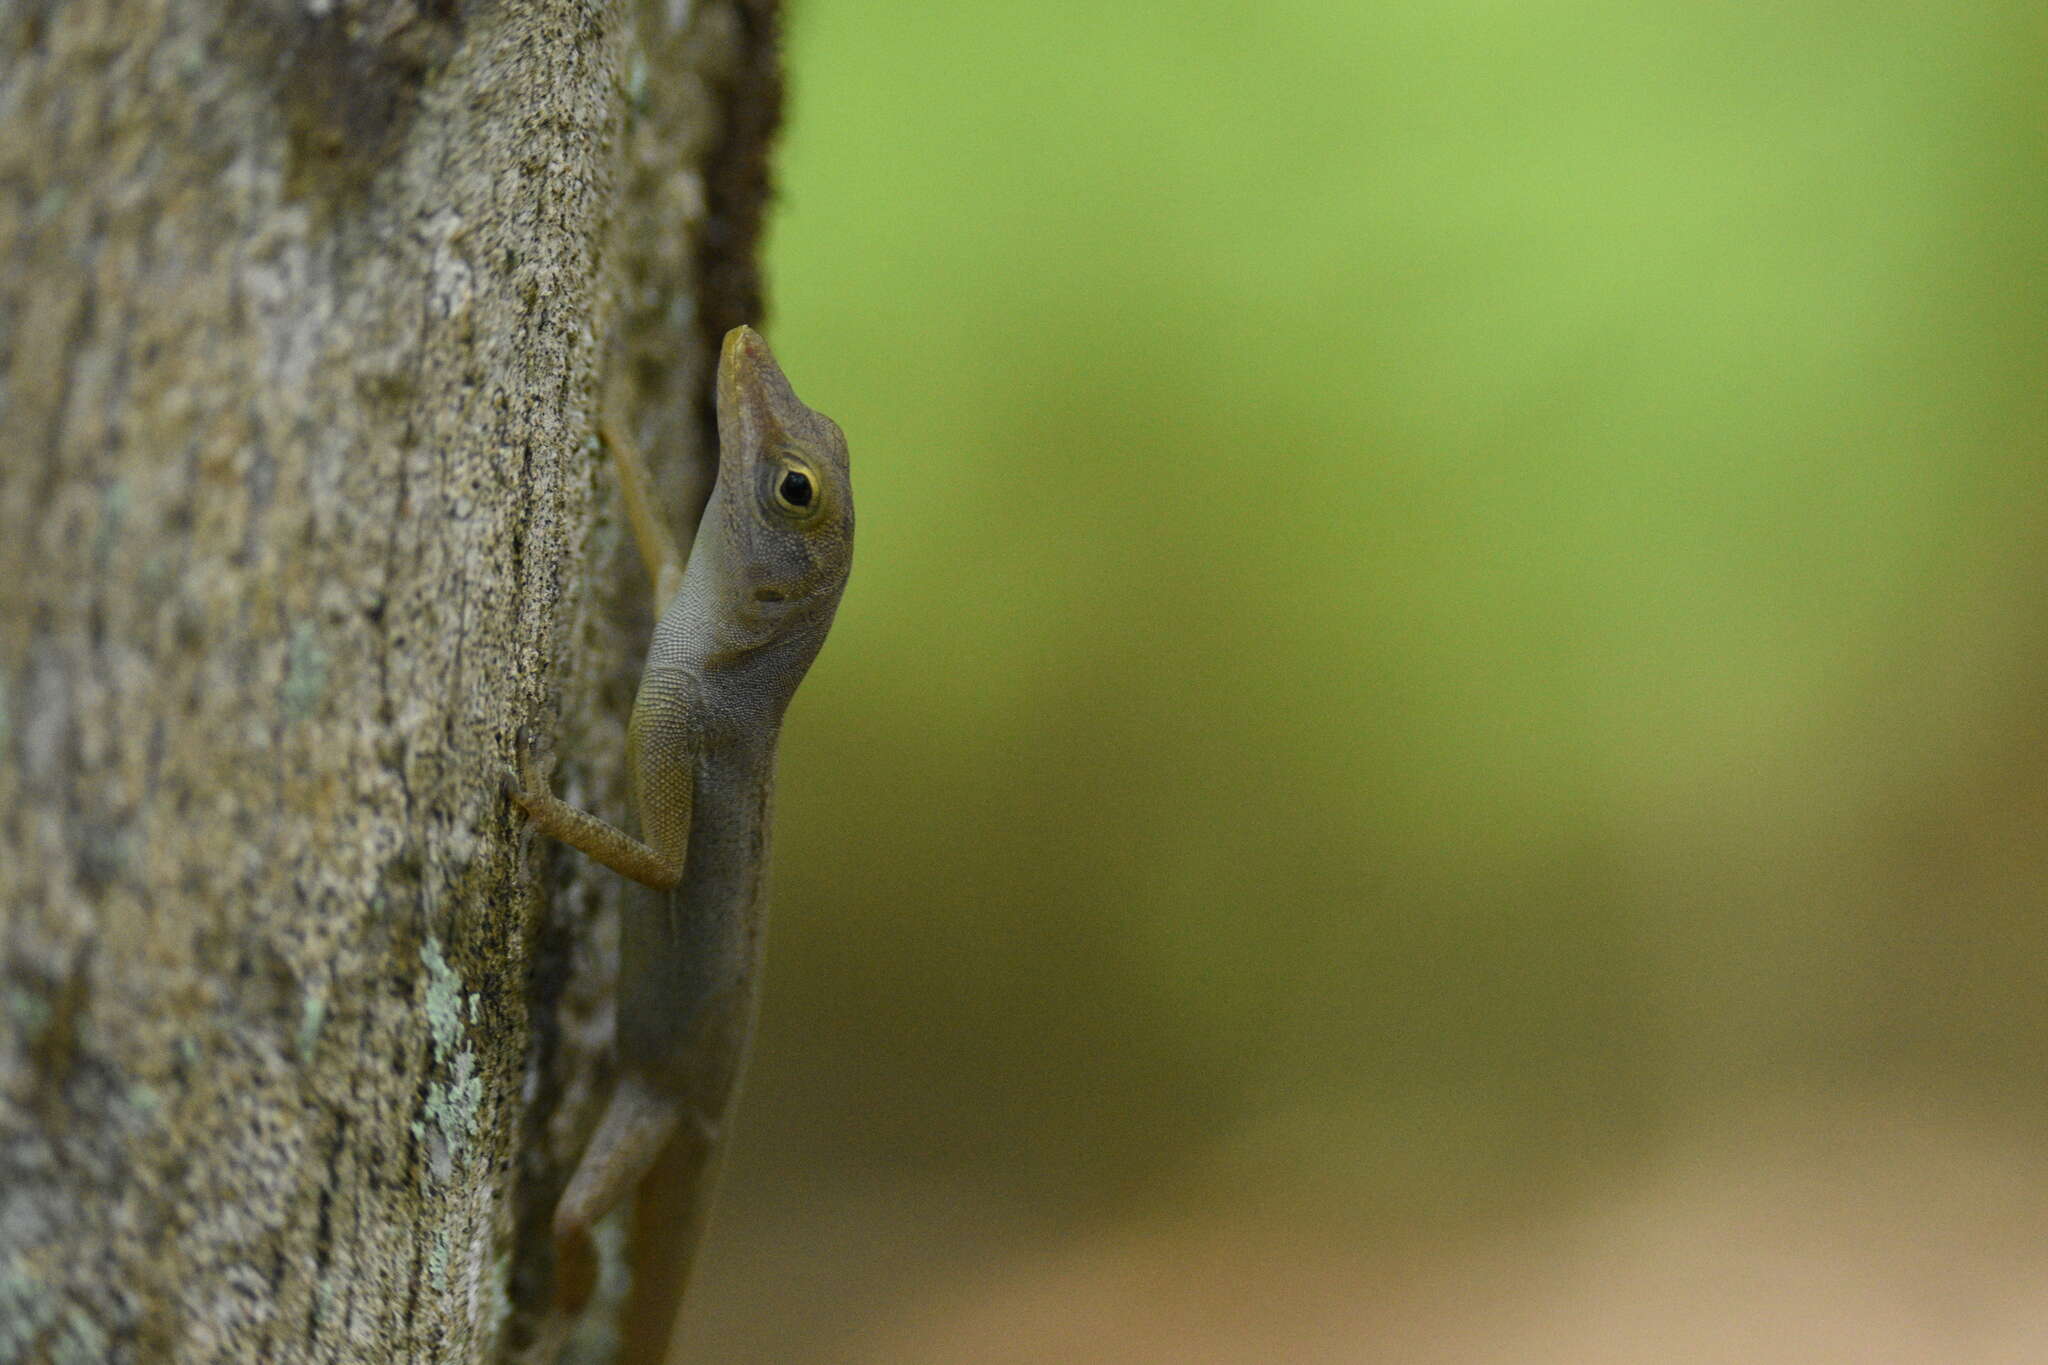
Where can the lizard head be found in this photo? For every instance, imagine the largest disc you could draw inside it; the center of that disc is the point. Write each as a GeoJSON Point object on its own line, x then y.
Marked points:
{"type": "Point", "coordinates": [787, 499]}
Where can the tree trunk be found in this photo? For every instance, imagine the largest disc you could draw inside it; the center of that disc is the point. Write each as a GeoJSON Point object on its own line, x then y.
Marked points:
{"type": "Point", "coordinates": [307, 308]}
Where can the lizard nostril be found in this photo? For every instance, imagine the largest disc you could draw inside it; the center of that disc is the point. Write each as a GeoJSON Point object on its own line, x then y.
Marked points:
{"type": "Point", "coordinates": [768, 595]}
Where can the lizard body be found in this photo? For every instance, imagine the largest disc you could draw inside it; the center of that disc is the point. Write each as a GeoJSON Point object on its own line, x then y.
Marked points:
{"type": "Point", "coordinates": [742, 623]}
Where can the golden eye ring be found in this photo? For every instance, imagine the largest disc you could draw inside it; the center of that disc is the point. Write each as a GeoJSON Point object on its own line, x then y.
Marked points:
{"type": "Point", "coordinates": [796, 490]}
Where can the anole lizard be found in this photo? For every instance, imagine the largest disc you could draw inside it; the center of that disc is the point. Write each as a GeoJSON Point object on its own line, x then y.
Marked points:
{"type": "Point", "coordinates": [740, 626]}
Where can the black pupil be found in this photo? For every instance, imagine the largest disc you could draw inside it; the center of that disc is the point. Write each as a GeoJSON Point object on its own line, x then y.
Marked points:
{"type": "Point", "coordinates": [796, 489]}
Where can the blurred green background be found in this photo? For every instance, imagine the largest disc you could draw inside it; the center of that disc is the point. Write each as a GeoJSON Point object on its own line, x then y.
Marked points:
{"type": "Point", "coordinates": [1445, 670]}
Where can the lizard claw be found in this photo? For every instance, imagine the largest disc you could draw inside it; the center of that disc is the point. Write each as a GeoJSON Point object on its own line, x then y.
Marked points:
{"type": "Point", "coordinates": [521, 780]}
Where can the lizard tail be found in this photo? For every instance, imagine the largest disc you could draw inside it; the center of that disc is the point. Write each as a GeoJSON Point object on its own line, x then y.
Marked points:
{"type": "Point", "coordinates": [668, 1226]}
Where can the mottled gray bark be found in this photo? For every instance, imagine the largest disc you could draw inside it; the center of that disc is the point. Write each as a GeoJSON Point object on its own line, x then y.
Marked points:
{"type": "Point", "coordinates": [306, 311]}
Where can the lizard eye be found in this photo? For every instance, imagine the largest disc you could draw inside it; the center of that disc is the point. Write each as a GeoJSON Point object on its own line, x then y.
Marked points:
{"type": "Point", "coordinates": [795, 491]}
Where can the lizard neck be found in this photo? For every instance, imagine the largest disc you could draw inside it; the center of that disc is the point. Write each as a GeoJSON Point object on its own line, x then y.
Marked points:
{"type": "Point", "coordinates": [746, 655]}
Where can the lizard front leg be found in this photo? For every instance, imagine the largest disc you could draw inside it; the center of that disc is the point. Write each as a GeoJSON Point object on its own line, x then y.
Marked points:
{"type": "Point", "coordinates": [579, 829]}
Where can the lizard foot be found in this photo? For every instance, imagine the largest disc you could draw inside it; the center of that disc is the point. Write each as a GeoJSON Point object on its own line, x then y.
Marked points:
{"type": "Point", "coordinates": [523, 779]}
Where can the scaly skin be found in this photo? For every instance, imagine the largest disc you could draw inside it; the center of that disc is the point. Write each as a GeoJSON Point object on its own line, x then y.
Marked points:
{"type": "Point", "coordinates": [749, 615]}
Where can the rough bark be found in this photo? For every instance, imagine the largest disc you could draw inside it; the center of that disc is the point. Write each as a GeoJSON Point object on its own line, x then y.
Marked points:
{"type": "Point", "coordinates": [306, 311]}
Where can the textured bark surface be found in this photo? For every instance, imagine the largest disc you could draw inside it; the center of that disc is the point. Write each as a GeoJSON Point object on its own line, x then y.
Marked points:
{"type": "Point", "coordinates": [306, 311]}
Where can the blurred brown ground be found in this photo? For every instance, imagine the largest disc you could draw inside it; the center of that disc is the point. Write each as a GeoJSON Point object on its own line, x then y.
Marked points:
{"type": "Point", "coordinates": [1867, 1234]}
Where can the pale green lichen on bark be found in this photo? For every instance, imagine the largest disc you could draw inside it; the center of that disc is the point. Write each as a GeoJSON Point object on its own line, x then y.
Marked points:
{"type": "Point", "coordinates": [438, 1256]}
{"type": "Point", "coordinates": [113, 509]}
{"type": "Point", "coordinates": [27, 1012]}
{"type": "Point", "coordinates": [31, 1319]}
{"type": "Point", "coordinates": [26, 1309]}
{"type": "Point", "coordinates": [305, 671]}
{"type": "Point", "coordinates": [444, 998]}
{"type": "Point", "coordinates": [79, 1340]}
{"type": "Point", "coordinates": [452, 1105]}
{"type": "Point", "coordinates": [312, 1015]}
